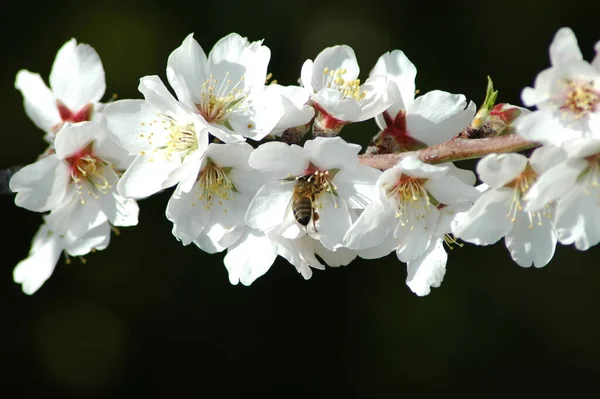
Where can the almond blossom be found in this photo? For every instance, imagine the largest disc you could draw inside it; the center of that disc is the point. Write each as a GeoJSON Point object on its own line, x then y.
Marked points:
{"type": "Point", "coordinates": [336, 92]}
{"type": "Point", "coordinates": [405, 217]}
{"type": "Point", "coordinates": [572, 179]}
{"type": "Point", "coordinates": [166, 137]}
{"type": "Point", "coordinates": [336, 184]}
{"type": "Point", "coordinates": [530, 236]}
{"type": "Point", "coordinates": [226, 88]}
{"type": "Point", "coordinates": [77, 183]}
{"type": "Point", "coordinates": [411, 123]}
{"type": "Point", "coordinates": [46, 248]}
{"type": "Point", "coordinates": [567, 96]}
{"type": "Point", "coordinates": [77, 85]}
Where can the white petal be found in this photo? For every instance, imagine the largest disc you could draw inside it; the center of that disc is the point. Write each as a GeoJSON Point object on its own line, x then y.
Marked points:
{"type": "Point", "coordinates": [376, 98]}
{"type": "Point", "coordinates": [450, 190]}
{"type": "Point", "coordinates": [38, 100]}
{"type": "Point", "coordinates": [400, 70]}
{"type": "Point", "coordinates": [496, 170]}
{"type": "Point", "coordinates": [73, 138]}
{"type": "Point", "coordinates": [306, 75]}
{"type": "Point", "coordinates": [379, 251]}
{"type": "Point", "coordinates": [357, 186]}
{"type": "Point", "coordinates": [437, 116]}
{"type": "Point", "coordinates": [371, 228]}
{"type": "Point", "coordinates": [132, 124]}
{"type": "Point", "coordinates": [545, 157]}
{"type": "Point", "coordinates": [427, 270]}
{"type": "Point", "coordinates": [331, 153]}
{"type": "Point", "coordinates": [42, 185]}
{"type": "Point", "coordinates": [564, 48]}
{"type": "Point", "coordinates": [339, 257]}
{"type": "Point", "coordinates": [415, 235]}
{"type": "Point", "coordinates": [543, 127]}
{"type": "Point", "coordinates": [144, 176]}
{"type": "Point", "coordinates": [334, 221]}
{"type": "Point", "coordinates": [596, 61]}
{"type": "Point", "coordinates": [268, 208]}
{"type": "Point", "coordinates": [487, 221]}
{"type": "Point", "coordinates": [554, 184]}
{"type": "Point", "coordinates": [159, 97]}
{"type": "Point", "coordinates": [338, 107]}
{"type": "Point", "coordinates": [531, 241]}
{"type": "Point", "coordinates": [97, 238]}
{"type": "Point", "coordinates": [190, 62]}
{"type": "Point", "coordinates": [77, 76]}
{"type": "Point", "coordinates": [414, 167]}
{"type": "Point", "coordinates": [578, 219]}
{"type": "Point", "coordinates": [34, 270]}
{"type": "Point", "coordinates": [294, 104]}
{"type": "Point", "coordinates": [120, 211]}
{"type": "Point", "coordinates": [334, 58]}
{"type": "Point", "coordinates": [279, 159]}
{"type": "Point", "coordinates": [250, 258]}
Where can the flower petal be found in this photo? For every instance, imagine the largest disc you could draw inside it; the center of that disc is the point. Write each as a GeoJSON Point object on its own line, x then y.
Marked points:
{"type": "Point", "coordinates": [564, 48]}
{"type": "Point", "coordinates": [77, 75]}
{"type": "Point", "coordinates": [268, 208]}
{"type": "Point", "coordinates": [332, 59]}
{"type": "Point", "coordinates": [414, 236]}
{"type": "Point", "coordinates": [437, 116]}
{"type": "Point", "coordinates": [578, 219]}
{"type": "Point", "coordinates": [42, 185]}
{"type": "Point", "coordinates": [334, 221]}
{"type": "Point", "coordinates": [249, 258]}
{"type": "Point", "coordinates": [73, 138]}
{"type": "Point", "coordinates": [38, 100]}
{"type": "Point", "coordinates": [358, 186]}
{"type": "Point", "coordinates": [497, 170]}
{"type": "Point", "coordinates": [190, 62]}
{"type": "Point", "coordinates": [531, 241]}
{"type": "Point", "coordinates": [144, 177]}
{"type": "Point", "coordinates": [34, 270]}
{"type": "Point", "coordinates": [487, 221]}
{"type": "Point", "coordinates": [339, 257]}
{"type": "Point", "coordinates": [279, 159]}
{"type": "Point", "coordinates": [402, 72]}
{"type": "Point", "coordinates": [554, 184]}
{"type": "Point", "coordinates": [331, 153]}
{"type": "Point", "coordinates": [371, 228]}
{"type": "Point", "coordinates": [97, 238]}
{"type": "Point", "coordinates": [427, 270]}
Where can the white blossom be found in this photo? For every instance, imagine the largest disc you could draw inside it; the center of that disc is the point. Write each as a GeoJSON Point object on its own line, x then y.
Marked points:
{"type": "Point", "coordinates": [77, 183]}
{"type": "Point", "coordinates": [336, 92]}
{"type": "Point", "coordinates": [567, 96]}
{"type": "Point", "coordinates": [310, 196]}
{"type": "Point", "coordinates": [572, 180]}
{"type": "Point", "coordinates": [167, 139]}
{"type": "Point", "coordinates": [530, 236]}
{"type": "Point", "coordinates": [227, 88]}
{"type": "Point", "coordinates": [429, 119]}
{"type": "Point", "coordinates": [77, 85]}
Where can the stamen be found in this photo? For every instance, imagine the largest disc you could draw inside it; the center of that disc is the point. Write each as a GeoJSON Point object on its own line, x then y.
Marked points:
{"type": "Point", "coordinates": [334, 79]}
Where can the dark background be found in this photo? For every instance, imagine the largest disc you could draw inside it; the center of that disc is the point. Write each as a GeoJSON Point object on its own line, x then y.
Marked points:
{"type": "Point", "coordinates": [148, 316]}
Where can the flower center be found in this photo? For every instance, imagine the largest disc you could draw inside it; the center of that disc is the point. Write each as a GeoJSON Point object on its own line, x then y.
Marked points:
{"type": "Point", "coordinates": [580, 99]}
{"type": "Point", "coordinates": [334, 79]}
{"type": "Point", "coordinates": [182, 139]}
{"type": "Point", "coordinates": [86, 167]}
{"type": "Point", "coordinates": [214, 185]}
{"type": "Point", "coordinates": [219, 99]}
{"type": "Point", "coordinates": [66, 115]}
{"type": "Point", "coordinates": [520, 186]}
{"type": "Point", "coordinates": [412, 199]}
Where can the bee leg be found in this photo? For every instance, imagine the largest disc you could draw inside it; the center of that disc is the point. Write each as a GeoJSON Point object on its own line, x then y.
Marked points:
{"type": "Point", "coordinates": [315, 217]}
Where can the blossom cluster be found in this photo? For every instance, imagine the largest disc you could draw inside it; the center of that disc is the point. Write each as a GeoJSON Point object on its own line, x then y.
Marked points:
{"type": "Point", "coordinates": [248, 179]}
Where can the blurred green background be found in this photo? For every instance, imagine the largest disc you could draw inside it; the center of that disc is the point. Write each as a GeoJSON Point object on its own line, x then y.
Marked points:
{"type": "Point", "coordinates": [150, 317]}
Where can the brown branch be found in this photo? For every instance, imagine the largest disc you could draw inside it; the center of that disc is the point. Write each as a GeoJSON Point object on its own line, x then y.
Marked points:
{"type": "Point", "coordinates": [455, 149]}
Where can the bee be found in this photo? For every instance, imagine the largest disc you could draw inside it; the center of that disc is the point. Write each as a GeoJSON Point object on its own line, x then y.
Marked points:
{"type": "Point", "coordinates": [303, 200]}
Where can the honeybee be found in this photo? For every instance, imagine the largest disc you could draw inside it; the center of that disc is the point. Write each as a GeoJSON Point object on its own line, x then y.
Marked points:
{"type": "Point", "coordinates": [303, 200]}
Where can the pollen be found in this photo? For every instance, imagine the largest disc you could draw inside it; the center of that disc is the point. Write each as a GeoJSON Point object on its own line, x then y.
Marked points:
{"type": "Point", "coordinates": [181, 139]}
{"type": "Point", "coordinates": [334, 79]}
{"type": "Point", "coordinates": [412, 200]}
{"type": "Point", "coordinates": [219, 99]}
{"type": "Point", "coordinates": [520, 186]}
{"type": "Point", "coordinates": [88, 173]}
{"type": "Point", "coordinates": [580, 99]}
{"type": "Point", "coordinates": [214, 185]}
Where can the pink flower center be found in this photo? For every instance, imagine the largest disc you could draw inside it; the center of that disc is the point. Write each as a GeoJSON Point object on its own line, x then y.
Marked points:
{"type": "Point", "coordinates": [580, 99]}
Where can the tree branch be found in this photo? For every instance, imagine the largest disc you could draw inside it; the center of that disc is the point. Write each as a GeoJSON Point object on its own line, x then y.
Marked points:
{"type": "Point", "coordinates": [455, 149]}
